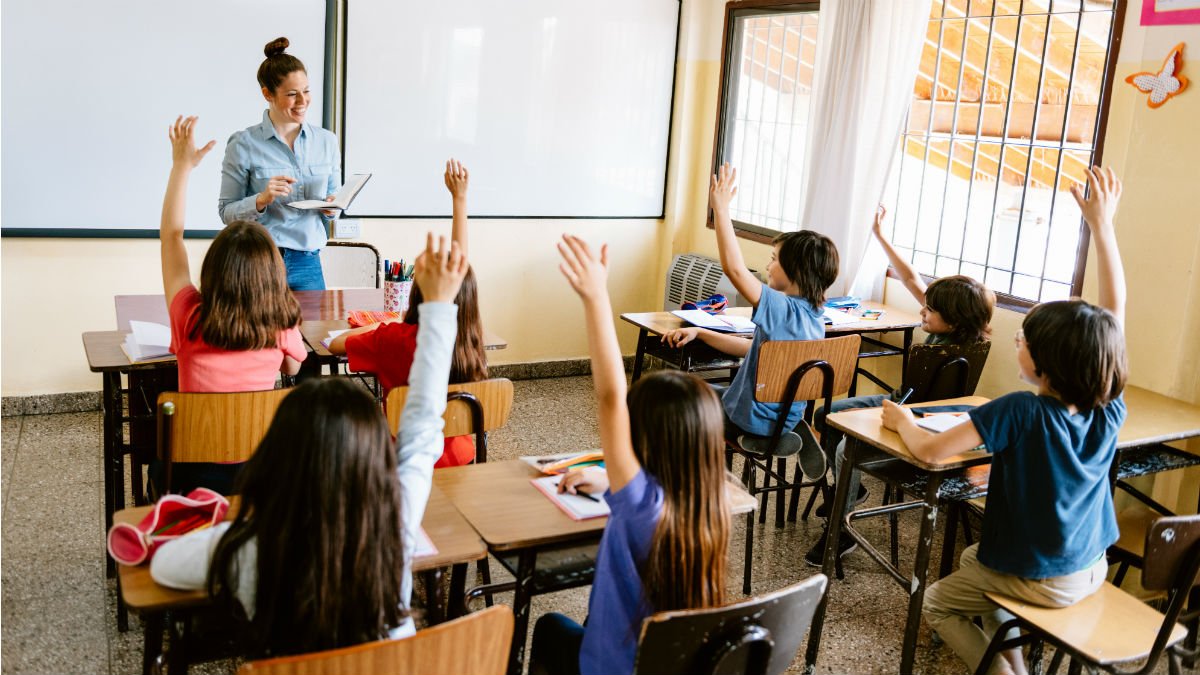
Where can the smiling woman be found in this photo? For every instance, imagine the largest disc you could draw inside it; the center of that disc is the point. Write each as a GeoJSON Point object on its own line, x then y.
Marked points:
{"type": "Point", "coordinates": [281, 160]}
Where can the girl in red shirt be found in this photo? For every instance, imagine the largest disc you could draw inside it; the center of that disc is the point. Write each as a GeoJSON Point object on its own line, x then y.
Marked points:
{"type": "Point", "coordinates": [386, 349]}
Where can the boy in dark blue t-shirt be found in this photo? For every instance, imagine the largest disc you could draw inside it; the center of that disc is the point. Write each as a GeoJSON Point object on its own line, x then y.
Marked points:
{"type": "Point", "coordinates": [1049, 516]}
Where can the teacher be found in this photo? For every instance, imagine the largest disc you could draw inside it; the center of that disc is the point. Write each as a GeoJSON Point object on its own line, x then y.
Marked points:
{"type": "Point", "coordinates": [281, 160]}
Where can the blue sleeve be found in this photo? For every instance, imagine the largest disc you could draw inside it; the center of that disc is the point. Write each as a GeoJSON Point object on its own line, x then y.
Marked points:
{"type": "Point", "coordinates": [233, 203]}
{"type": "Point", "coordinates": [625, 502]}
{"type": "Point", "coordinates": [771, 309]}
{"type": "Point", "coordinates": [1001, 422]}
{"type": "Point", "coordinates": [1115, 411]}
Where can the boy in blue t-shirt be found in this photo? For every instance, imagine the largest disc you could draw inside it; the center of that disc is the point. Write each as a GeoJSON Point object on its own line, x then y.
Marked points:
{"type": "Point", "coordinates": [1049, 516]}
{"type": "Point", "coordinates": [788, 307]}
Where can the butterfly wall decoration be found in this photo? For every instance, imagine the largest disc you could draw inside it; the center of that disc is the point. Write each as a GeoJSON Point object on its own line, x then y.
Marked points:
{"type": "Point", "coordinates": [1166, 83]}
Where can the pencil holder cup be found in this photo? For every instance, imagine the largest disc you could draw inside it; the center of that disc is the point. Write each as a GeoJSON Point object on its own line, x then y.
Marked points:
{"type": "Point", "coordinates": [395, 296]}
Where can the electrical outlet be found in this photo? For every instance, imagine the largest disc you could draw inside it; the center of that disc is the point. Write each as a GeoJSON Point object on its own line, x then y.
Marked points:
{"type": "Point", "coordinates": [345, 228]}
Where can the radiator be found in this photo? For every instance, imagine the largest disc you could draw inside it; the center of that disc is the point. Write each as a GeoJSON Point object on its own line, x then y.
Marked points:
{"type": "Point", "coordinates": [693, 277]}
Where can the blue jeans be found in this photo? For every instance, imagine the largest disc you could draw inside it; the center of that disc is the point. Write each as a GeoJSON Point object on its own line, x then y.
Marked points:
{"type": "Point", "coordinates": [556, 643]}
{"type": "Point", "coordinates": [303, 269]}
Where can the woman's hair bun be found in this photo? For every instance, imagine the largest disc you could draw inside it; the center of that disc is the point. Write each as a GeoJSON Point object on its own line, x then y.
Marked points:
{"type": "Point", "coordinates": [276, 47]}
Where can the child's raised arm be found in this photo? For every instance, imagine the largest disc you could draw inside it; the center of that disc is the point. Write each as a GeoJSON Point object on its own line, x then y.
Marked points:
{"type": "Point", "coordinates": [456, 182]}
{"type": "Point", "coordinates": [1098, 209]}
{"type": "Point", "coordinates": [909, 276]}
{"type": "Point", "coordinates": [184, 157]}
{"type": "Point", "coordinates": [588, 275]}
{"type": "Point", "coordinates": [720, 193]}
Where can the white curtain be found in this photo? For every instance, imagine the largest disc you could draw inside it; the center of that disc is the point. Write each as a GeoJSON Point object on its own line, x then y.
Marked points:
{"type": "Point", "coordinates": [868, 52]}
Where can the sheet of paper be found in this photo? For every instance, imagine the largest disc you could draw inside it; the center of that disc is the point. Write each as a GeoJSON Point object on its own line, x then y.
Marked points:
{"type": "Point", "coordinates": [578, 508]}
{"type": "Point", "coordinates": [836, 317]}
{"type": "Point", "coordinates": [332, 334]}
{"type": "Point", "coordinates": [425, 547]}
{"type": "Point", "coordinates": [938, 423]}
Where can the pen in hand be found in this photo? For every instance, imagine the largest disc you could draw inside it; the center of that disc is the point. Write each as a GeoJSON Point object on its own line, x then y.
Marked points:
{"type": "Point", "coordinates": [578, 493]}
{"type": "Point", "coordinates": [904, 398]}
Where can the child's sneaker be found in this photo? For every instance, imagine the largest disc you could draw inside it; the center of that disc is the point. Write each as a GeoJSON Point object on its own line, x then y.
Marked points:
{"type": "Point", "coordinates": [812, 457]}
{"type": "Point", "coordinates": [789, 444]}
{"type": "Point", "coordinates": [816, 554]}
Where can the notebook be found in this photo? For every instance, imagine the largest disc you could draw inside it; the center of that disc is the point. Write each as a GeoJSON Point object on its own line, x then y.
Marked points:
{"type": "Point", "coordinates": [341, 200]}
{"type": "Point", "coordinates": [332, 334]}
{"type": "Point", "coordinates": [836, 317]}
{"type": "Point", "coordinates": [939, 422]}
{"type": "Point", "coordinates": [147, 342]}
{"type": "Point", "coordinates": [576, 507]}
{"type": "Point", "coordinates": [726, 323]}
{"type": "Point", "coordinates": [365, 317]}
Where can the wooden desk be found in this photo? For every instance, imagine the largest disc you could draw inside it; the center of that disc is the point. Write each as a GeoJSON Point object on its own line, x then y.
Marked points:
{"type": "Point", "coordinates": [513, 517]}
{"type": "Point", "coordinates": [1152, 418]}
{"type": "Point", "coordinates": [456, 542]}
{"type": "Point", "coordinates": [698, 357]}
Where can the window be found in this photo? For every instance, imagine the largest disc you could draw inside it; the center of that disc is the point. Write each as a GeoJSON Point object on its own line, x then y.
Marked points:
{"type": "Point", "coordinates": [1007, 114]}
{"type": "Point", "coordinates": [770, 49]}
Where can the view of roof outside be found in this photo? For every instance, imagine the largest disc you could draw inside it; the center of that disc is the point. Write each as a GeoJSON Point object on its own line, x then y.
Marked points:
{"type": "Point", "coordinates": [1002, 124]}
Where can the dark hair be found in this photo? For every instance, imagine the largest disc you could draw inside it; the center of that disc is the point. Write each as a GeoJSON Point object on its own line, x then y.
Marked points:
{"type": "Point", "coordinates": [278, 65]}
{"type": "Point", "coordinates": [1080, 348]}
{"type": "Point", "coordinates": [810, 260]}
{"type": "Point", "coordinates": [469, 362]}
{"type": "Point", "coordinates": [321, 502]}
{"type": "Point", "coordinates": [244, 296]}
{"type": "Point", "coordinates": [964, 304]}
{"type": "Point", "coordinates": [677, 425]}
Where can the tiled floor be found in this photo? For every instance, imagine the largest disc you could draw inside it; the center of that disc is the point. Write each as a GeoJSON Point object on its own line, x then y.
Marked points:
{"type": "Point", "coordinates": [58, 609]}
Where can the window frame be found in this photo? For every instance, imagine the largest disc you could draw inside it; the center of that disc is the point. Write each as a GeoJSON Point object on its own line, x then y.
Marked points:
{"type": "Point", "coordinates": [734, 10]}
{"type": "Point", "coordinates": [756, 233]}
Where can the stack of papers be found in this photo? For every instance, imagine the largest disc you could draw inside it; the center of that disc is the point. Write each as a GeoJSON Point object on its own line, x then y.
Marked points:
{"type": "Point", "coordinates": [147, 341]}
{"type": "Point", "coordinates": [726, 323]}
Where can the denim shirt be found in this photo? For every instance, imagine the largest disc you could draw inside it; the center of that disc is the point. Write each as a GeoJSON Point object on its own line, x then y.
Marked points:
{"type": "Point", "coordinates": [256, 154]}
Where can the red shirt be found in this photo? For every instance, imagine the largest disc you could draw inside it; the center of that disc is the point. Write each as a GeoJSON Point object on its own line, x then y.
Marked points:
{"type": "Point", "coordinates": [204, 368]}
{"type": "Point", "coordinates": [387, 352]}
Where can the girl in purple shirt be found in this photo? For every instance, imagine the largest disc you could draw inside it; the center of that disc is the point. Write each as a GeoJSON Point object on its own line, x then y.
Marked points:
{"type": "Point", "coordinates": [666, 541]}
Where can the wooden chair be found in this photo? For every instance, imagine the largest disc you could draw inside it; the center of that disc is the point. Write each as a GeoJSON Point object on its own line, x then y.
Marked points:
{"type": "Point", "coordinates": [759, 636]}
{"type": "Point", "coordinates": [477, 643]}
{"type": "Point", "coordinates": [213, 427]}
{"type": "Point", "coordinates": [1110, 626]}
{"type": "Point", "coordinates": [790, 371]}
{"type": "Point", "coordinates": [471, 408]}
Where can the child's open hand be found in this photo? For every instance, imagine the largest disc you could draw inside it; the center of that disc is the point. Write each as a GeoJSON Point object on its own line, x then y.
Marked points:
{"type": "Point", "coordinates": [183, 142]}
{"type": "Point", "coordinates": [877, 226]}
{"type": "Point", "coordinates": [895, 415]}
{"type": "Point", "coordinates": [723, 188]}
{"type": "Point", "coordinates": [591, 479]}
{"type": "Point", "coordinates": [680, 336]}
{"type": "Point", "coordinates": [585, 271]}
{"type": "Point", "coordinates": [439, 272]}
{"type": "Point", "coordinates": [1101, 202]}
{"type": "Point", "coordinates": [456, 178]}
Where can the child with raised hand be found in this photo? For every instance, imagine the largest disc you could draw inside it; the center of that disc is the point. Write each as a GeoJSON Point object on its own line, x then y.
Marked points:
{"type": "Point", "coordinates": [1049, 516]}
{"type": "Point", "coordinates": [239, 330]}
{"type": "Point", "coordinates": [790, 306]}
{"type": "Point", "coordinates": [386, 349]}
{"type": "Point", "coordinates": [319, 555]}
{"type": "Point", "coordinates": [667, 538]}
{"type": "Point", "coordinates": [955, 310]}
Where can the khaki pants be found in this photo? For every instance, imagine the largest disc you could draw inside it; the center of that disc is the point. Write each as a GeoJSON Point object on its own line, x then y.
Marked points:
{"type": "Point", "coordinates": [952, 602]}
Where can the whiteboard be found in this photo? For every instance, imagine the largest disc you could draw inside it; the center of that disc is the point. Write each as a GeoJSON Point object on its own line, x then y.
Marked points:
{"type": "Point", "coordinates": [559, 108]}
{"type": "Point", "coordinates": [90, 86]}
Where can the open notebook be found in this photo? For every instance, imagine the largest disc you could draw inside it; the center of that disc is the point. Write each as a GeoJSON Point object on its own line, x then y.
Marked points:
{"type": "Point", "coordinates": [575, 506]}
{"type": "Point", "coordinates": [341, 200]}
{"type": "Point", "coordinates": [726, 323]}
{"type": "Point", "coordinates": [939, 422]}
{"type": "Point", "coordinates": [147, 342]}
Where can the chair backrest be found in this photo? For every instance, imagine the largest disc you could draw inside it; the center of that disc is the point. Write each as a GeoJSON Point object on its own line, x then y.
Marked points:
{"type": "Point", "coordinates": [471, 408]}
{"type": "Point", "coordinates": [214, 427]}
{"type": "Point", "coordinates": [350, 264]}
{"type": "Point", "coordinates": [477, 643]}
{"type": "Point", "coordinates": [1170, 542]}
{"type": "Point", "coordinates": [938, 372]}
{"type": "Point", "coordinates": [780, 360]}
{"type": "Point", "coordinates": [759, 636]}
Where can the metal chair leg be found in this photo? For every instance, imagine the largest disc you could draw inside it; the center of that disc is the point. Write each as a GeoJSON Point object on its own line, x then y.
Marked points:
{"type": "Point", "coordinates": [781, 469]}
{"type": "Point", "coordinates": [766, 496]}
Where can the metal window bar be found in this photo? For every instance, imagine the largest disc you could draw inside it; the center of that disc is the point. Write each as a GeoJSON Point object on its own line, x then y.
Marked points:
{"type": "Point", "coordinates": [801, 25]}
{"type": "Point", "coordinates": [962, 60]}
{"type": "Point", "coordinates": [1062, 135]}
{"type": "Point", "coordinates": [983, 89]}
{"type": "Point", "coordinates": [775, 125]}
{"type": "Point", "coordinates": [1037, 109]}
{"type": "Point", "coordinates": [762, 103]}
